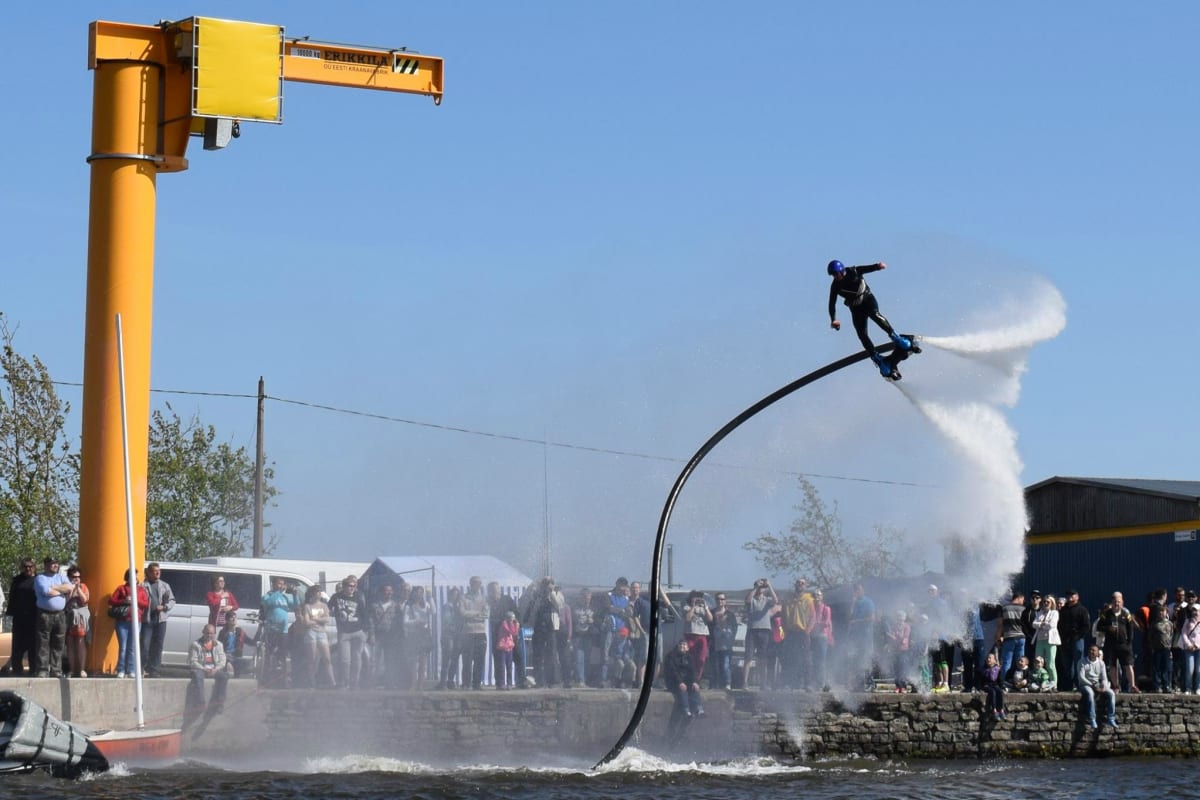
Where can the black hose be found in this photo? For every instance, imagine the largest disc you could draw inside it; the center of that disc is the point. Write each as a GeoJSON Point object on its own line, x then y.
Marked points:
{"type": "Point", "coordinates": [661, 538]}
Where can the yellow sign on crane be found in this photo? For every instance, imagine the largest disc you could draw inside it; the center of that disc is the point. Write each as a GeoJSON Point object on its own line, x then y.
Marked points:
{"type": "Point", "coordinates": [237, 67]}
{"type": "Point", "coordinates": [154, 87]}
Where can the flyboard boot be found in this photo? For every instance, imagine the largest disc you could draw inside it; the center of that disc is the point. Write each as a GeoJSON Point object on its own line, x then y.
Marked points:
{"type": "Point", "coordinates": [906, 343]}
{"type": "Point", "coordinates": [886, 368]}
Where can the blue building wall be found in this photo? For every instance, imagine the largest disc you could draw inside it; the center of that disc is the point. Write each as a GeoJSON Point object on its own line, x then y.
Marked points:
{"type": "Point", "coordinates": [1132, 565]}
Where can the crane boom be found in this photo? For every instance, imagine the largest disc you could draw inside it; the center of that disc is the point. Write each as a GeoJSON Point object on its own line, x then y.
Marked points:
{"type": "Point", "coordinates": [389, 70]}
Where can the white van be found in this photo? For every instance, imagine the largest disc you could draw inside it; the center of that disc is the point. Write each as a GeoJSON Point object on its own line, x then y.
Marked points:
{"type": "Point", "coordinates": [191, 582]}
{"type": "Point", "coordinates": [326, 574]}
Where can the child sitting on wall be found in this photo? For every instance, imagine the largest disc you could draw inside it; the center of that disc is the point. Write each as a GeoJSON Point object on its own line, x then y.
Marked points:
{"type": "Point", "coordinates": [1018, 676]}
{"type": "Point", "coordinates": [1039, 677]}
{"type": "Point", "coordinates": [992, 685]}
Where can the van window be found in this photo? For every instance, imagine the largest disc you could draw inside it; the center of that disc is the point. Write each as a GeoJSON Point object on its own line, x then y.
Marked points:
{"type": "Point", "coordinates": [184, 585]}
{"type": "Point", "coordinates": [290, 586]}
{"type": "Point", "coordinates": [248, 589]}
{"type": "Point", "coordinates": [191, 587]}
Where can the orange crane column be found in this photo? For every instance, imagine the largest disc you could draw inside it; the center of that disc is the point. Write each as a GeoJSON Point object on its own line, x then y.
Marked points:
{"type": "Point", "coordinates": [125, 112]}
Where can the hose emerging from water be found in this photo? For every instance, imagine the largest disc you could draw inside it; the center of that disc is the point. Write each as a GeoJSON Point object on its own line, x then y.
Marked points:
{"type": "Point", "coordinates": [661, 538]}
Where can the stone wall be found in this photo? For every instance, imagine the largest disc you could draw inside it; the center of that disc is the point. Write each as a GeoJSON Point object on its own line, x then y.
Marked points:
{"type": "Point", "coordinates": [955, 726]}
{"type": "Point", "coordinates": [267, 728]}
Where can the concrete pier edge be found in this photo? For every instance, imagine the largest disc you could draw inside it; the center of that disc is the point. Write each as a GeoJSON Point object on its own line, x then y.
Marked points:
{"type": "Point", "coordinates": [262, 727]}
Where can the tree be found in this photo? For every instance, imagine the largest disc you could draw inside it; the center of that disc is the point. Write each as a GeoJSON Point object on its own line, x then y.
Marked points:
{"type": "Point", "coordinates": [39, 472]}
{"type": "Point", "coordinates": [816, 547]}
{"type": "Point", "coordinates": [200, 493]}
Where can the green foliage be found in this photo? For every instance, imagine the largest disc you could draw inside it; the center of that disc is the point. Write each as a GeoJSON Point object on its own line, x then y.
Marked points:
{"type": "Point", "coordinates": [39, 472]}
{"type": "Point", "coordinates": [200, 492]}
{"type": "Point", "coordinates": [816, 547]}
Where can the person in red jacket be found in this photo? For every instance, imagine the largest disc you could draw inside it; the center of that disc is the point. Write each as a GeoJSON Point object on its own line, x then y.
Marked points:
{"type": "Point", "coordinates": [220, 602]}
{"type": "Point", "coordinates": [120, 600]}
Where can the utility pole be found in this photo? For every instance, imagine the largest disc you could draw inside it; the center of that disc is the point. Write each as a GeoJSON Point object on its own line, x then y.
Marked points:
{"type": "Point", "coordinates": [671, 567]}
{"type": "Point", "coordinates": [548, 565]}
{"type": "Point", "coordinates": [258, 473]}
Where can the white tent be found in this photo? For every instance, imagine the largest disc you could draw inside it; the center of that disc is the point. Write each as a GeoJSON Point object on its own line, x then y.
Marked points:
{"type": "Point", "coordinates": [438, 574]}
{"type": "Point", "coordinates": [445, 571]}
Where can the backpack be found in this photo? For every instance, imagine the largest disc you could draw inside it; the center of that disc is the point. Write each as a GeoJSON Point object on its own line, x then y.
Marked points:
{"type": "Point", "coordinates": [1113, 625]}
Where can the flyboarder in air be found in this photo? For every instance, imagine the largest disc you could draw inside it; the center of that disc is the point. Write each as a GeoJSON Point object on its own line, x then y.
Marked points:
{"type": "Point", "coordinates": [848, 283]}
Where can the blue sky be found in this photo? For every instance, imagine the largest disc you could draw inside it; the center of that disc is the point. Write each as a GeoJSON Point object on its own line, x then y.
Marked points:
{"type": "Point", "coordinates": [612, 234]}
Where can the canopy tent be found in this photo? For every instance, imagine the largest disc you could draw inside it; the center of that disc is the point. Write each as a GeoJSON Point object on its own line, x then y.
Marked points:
{"type": "Point", "coordinates": [442, 572]}
{"type": "Point", "coordinates": [438, 574]}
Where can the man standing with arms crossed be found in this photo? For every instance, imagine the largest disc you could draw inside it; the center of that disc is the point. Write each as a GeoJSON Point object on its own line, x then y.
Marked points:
{"type": "Point", "coordinates": [51, 589]}
{"type": "Point", "coordinates": [1074, 625]}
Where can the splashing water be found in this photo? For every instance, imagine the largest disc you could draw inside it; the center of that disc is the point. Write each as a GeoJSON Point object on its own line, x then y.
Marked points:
{"type": "Point", "coordinates": [631, 761]}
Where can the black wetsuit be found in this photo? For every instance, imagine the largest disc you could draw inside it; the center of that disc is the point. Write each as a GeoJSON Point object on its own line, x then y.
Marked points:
{"type": "Point", "coordinates": [862, 304]}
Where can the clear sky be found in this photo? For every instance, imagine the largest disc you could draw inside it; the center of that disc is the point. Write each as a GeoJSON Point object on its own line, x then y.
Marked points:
{"type": "Point", "coordinates": [612, 234]}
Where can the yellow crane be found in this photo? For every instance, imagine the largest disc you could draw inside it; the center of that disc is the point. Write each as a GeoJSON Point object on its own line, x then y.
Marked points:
{"type": "Point", "coordinates": [154, 88]}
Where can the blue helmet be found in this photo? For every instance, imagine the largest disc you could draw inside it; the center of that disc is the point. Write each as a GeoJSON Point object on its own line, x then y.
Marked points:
{"type": "Point", "coordinates": [836, 267]}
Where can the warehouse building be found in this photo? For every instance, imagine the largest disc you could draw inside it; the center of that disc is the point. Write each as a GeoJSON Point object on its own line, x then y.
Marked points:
{"type": "Point", "coordinates": [1101, 535]}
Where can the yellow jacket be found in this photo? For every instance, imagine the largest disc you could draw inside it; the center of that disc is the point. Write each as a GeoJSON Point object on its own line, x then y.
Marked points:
{"type": "Point", "coordinates": [798, 613]}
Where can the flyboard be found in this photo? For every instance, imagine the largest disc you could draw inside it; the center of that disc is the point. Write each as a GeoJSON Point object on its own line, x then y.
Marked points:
{"type": "Point", "coordinates": [885, 351]}
{"type": "Point", "coordinates": [903, 346]}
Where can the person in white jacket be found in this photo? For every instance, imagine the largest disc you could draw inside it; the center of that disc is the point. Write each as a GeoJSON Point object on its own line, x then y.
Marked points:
{"type": "Point", "coordinates": [1093, 680]}
{"type": "Point", "coordinates": [1046, 637]}
{"type": "Point", "coordinates": [1189, 646]}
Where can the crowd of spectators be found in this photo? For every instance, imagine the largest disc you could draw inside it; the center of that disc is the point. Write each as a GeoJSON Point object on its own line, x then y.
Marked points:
{"type": "Point", "coordinates": [784, 640]}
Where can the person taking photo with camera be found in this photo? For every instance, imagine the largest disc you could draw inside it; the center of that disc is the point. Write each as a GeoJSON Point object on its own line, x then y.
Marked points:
{"type": "Point", "coordinates": [760, 602]}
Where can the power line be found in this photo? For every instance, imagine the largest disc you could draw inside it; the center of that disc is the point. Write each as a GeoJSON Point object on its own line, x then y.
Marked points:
{"type": "Point", "coordinates": [562, 445]}
{"type": "Point", "coordinates": [508, 436]}
{"type": "Point", "coordinates": [176, 391]}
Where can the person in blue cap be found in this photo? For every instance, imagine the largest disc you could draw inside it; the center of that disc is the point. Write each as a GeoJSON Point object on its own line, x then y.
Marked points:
{"type": "Point", "coordinates": [848, 284]}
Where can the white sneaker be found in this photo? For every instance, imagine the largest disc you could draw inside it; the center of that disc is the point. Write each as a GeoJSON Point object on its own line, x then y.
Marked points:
{"type": "Point", "coordinates": [83, 673]}
{"type": "Point", "coordinates": [120, 674]}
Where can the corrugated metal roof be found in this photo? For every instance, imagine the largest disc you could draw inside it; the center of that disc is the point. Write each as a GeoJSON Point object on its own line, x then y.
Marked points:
{"type": "Point", "coordinates": [1182, 489]}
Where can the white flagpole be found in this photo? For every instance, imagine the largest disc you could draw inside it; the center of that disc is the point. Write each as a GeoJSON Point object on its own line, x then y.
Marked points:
{"type": "Point", "coordinates": [136, 644]}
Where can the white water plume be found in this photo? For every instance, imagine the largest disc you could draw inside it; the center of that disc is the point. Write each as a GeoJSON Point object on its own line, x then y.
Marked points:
{"type": "Point", "coordinates": [987, 520]}
{"type": "Point", "coordinates": [995, 496]}
{"type": "Point", "coordinates": [1034, 318]}
{"type": "Point", "coordinates": [1020, 322]}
